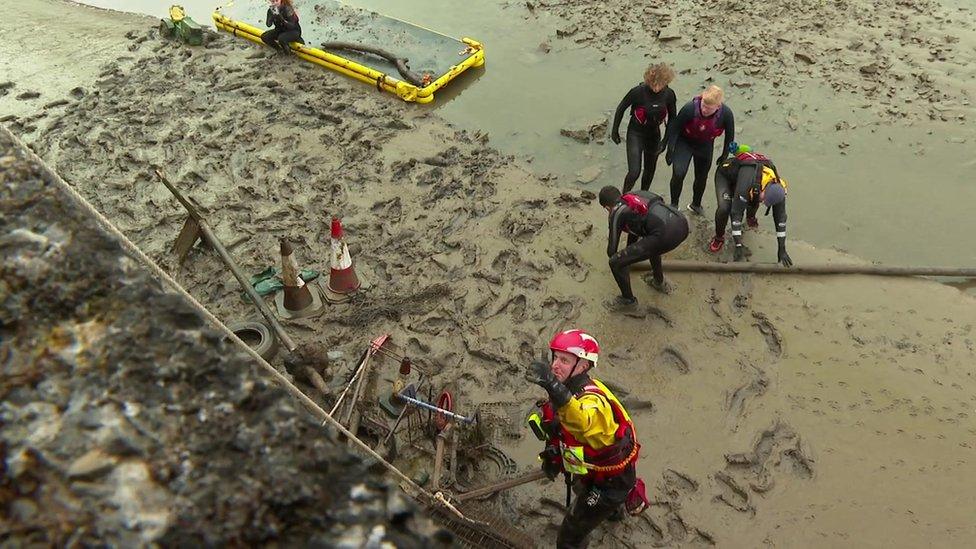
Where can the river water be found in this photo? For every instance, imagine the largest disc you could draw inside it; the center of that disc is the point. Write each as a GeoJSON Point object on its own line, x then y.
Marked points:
{"type": "Point", "coordinates": [895, 193]}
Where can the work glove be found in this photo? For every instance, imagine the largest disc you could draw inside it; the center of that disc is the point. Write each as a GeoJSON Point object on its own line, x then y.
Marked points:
{"type": "Point", "coordinates": [662, 147]}
{"type": "Point", "coordinates": [739, 254]}
{"type": "Point", "coordinates": [551, 462]}
{"type": "Point", "coordinates": [721, 159]}
{"type": "Point", "coordinates": [784, 257]}
{"type": "Point", "coordinates": [668, 156]}
{"type": "Point", "coordinates": [540, 374]}
{"type": "Point", "coordinates": [615, 137]}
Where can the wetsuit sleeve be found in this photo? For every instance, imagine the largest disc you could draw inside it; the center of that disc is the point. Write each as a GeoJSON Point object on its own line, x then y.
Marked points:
{"type": "Point", "coordinates": [589, 418]}
{"type": "Point", "coordinates": [672, 105]}
{"type": "Point", "coordinates": [728, 122]}
{"type": "Point", "coordinates": [685, 115]}
{"type": "Point", "coordinates": [613, 239]}
{"type": "Point", "coordinates": [779, 218]}
{"type": "Point", "coordinates": [270, 19]}
{"type": "Point", "coordinates": [627, 101]}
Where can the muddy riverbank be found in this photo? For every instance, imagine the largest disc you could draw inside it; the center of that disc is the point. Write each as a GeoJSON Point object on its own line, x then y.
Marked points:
{"type": "Point", "coordinates": [780, 411]}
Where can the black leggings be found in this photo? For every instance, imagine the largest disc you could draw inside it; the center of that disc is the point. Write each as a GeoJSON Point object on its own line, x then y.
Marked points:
{"type": "Point", "coordinates": [648, 248]}
{"type": "Point", "coordinates": [641, 146]}
{"type": "Point", "coordinates": [684, 151]}
{"type": "Point", "coordinates": [594, 504]}
{"type": "Point", "coordinates": [279, 38]}
{"type": "Point", "coordinates": [725, 193]}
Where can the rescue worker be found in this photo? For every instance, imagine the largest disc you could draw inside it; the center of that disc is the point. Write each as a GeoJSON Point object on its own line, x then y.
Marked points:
{"type": "Point", "coordinates": [653, 228]}
{"type": "Point", "coordinates": [283, 17]}
{"type": "Point", "coordinates": [590, 438]}
{"type": "Point", "coordinates": [651, 103]}
{"type": "Point", "coordinates": [741, 184]}
{"type": "Point", "coordinates": [691, 135]}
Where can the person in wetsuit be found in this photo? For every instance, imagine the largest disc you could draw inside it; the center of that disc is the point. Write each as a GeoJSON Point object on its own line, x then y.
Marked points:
{"type": "Point", "coordinates": [653, 228]}
{"type": "Point", "coordinates": [741, 184]}
{"type": "Point", "coordinates": [691, 135]}
{"type": "Point", "coordinates": [651, 103]}
{"type": "Point", "coordinates": [283, 17]}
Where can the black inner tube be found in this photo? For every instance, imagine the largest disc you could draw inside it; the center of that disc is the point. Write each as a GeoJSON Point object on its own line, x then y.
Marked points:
{"type": "Point", "coordinates": [400, 62]}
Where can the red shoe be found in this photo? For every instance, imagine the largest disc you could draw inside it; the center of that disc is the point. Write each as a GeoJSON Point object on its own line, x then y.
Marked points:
{"type": "Point", "coordinates": [715, 246]}
{"type": "Point", "coordinates": [752, 222]}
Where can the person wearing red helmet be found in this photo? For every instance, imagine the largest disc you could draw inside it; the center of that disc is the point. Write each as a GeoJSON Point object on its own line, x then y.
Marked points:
{"type": "Point", "coordinates": [591, 438]}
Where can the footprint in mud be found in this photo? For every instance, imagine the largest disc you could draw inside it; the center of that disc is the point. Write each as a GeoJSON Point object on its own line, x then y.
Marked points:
{"type": "Point", "coordinates": [778, 448]}
{"type": "Point", "coordinates": [28, 95]}
{"type": "Point", "coordinates": [505, 260]}
{"type": "Point", "coordinates": [733, 495]}
{"type": "Point", "coordinates": [553, 308]}
{"type": "Point", "coordinates": [678, 484]}
{"type": "Point", "coordinates": [435, 325]}
{"type": "Point", "coordinates": [769, 332]}
{"type": "Point", "coordinates": [736, 401]}
{"type": "Point", "coordinates": [796, 459]}
{"type": "Point", "coordinates": [415, 347]}
{"type": "Point", "coordinates": [391, 210]}
{"type": "Point", "coordinates": [568, 258]}
{"type": "Point", "coordinates": [522, 226]}
{"type": "Point", "coordinates": [673, 357]}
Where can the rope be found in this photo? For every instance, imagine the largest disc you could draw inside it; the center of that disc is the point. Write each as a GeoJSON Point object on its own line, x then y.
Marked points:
{"type": "Point", "coordinates": [414, 489]}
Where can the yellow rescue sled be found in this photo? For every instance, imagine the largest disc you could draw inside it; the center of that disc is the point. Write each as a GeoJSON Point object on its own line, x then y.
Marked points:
{"type": "Point", "coordinates": [335, 30]}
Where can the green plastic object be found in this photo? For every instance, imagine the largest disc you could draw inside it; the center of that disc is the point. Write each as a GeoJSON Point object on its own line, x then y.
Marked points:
{"type": "Point", "coordinates": [268, 282]}
{"type": "Point", "coordinates": [179, 25]}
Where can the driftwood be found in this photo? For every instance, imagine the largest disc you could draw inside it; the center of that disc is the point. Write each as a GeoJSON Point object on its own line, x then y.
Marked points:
{"type": "Point", "coordinates": [400, 62]}
{"type": "Point", "coordinates": [496, 487]}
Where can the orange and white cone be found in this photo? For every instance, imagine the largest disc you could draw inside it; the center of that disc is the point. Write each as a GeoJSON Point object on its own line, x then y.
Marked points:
{"type": "Point", "coordinates": [342, 277]}
{"type": "Point", "coordinates": [298, 300]}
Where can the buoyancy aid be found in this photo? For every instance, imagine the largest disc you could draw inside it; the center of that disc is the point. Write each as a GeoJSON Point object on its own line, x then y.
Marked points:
{"type": "Point", "coordinates": [581, 459]}
{"type": "Point", "coordinates": [702, 128]}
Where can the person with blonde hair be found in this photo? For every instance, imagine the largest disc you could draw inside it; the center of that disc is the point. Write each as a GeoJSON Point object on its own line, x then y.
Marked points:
{"type": "Point", "coordinates": [691, 135]}
{"type": "Point", "coordinates": [651, 103]}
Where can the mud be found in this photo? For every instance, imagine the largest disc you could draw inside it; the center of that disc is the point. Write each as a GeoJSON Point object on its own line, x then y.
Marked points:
{"type": "Point", "coordinates": [762, 419]}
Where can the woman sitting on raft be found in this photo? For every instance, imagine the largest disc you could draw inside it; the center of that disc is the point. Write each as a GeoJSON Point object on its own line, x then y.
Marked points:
{"type": "Point", "coordinates": [283, 17]}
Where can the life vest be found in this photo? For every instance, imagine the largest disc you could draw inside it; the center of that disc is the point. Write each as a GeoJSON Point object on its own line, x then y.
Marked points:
{"type": "Point", "coordinates": [637, 204]}
{"type": "Point", "coordinates": [767, 176]}
{"type": "Point", "coordinates": [594, 465]}
{"type": "Point", "coordinates": [747, 157]}
{"type": "Point", "coordinates": [701, 128]}
{"type": "Point", "coordinates": [643, 115]}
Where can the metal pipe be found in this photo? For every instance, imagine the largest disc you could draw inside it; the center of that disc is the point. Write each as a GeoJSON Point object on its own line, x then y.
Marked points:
{"type": "Point", "coordinates": [431, 407]}
{"type": "Point", "coordinates": [229, 262]}
{"type": "Point", "coordinates": [775, 268]}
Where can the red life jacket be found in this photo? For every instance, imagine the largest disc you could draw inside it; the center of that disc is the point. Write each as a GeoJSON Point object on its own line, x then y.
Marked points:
{"type": "Point", "coordinates": [618, 456]}
{"type": "Point", "coordinates": [752, 157]}
{"type": "Point", "coordinates": [637, 204]}
{"type": "Point", "coordinates": [701, 128]}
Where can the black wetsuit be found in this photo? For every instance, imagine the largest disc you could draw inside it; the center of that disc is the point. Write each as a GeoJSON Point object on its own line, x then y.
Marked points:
{"type": "Point", "coordinates": [647, 111]}
{"type": "Point", "coordinates": [649, 236]}
{"type": "Point", "coordinates": [286, 28]}
{"type": "Point", "coordinates": [737, 186]}
{"type": "Point", "coordinates": [684, 149]}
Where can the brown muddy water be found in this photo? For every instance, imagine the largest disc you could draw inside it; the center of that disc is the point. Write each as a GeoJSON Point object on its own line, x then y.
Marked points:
{"type": "Point", "coordinates": [892, 191]}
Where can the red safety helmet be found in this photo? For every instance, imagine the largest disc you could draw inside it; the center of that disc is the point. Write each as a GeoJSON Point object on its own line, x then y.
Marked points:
{"type": "Point", "coordinates": [577, 343]}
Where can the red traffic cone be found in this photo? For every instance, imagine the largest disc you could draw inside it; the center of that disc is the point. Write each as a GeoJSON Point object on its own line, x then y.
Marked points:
{"type": "Point", "coordinates": [298, 300]}
{"type": "Point", "coordinates": [342, 277]}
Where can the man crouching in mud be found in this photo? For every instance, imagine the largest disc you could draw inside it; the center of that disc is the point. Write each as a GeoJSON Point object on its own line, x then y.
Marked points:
{"type": "Point", "coordinates": [653, 228]}
{"type": "Point", "coordinates": [589, 438]}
